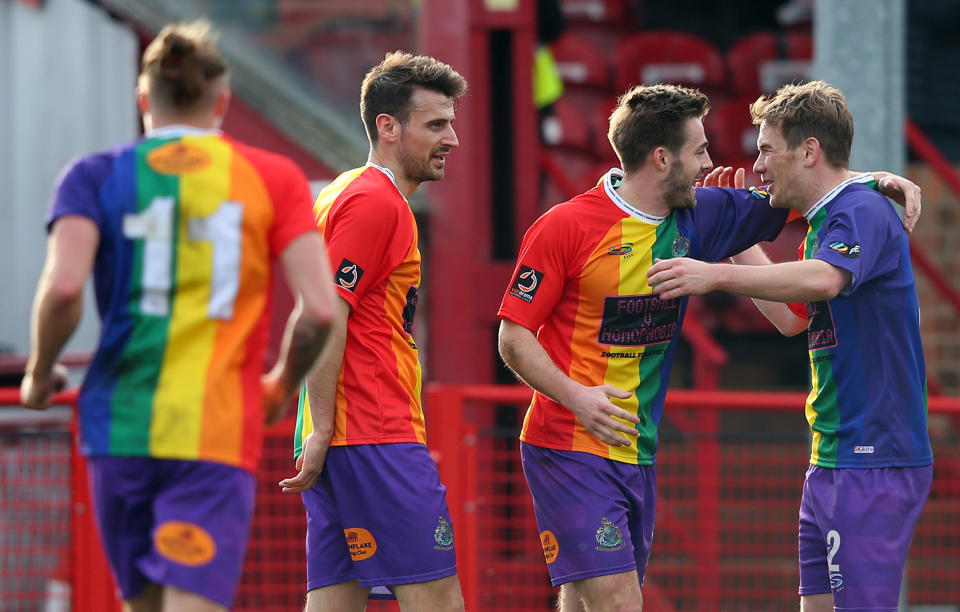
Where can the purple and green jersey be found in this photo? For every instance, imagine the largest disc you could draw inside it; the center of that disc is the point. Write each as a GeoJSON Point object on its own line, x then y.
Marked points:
{"type": "Point", "coordinates": [868, 403]}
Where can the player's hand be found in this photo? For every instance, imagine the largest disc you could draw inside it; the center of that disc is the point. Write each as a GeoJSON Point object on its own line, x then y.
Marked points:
{"type": "Point", "coordinates": [36, 390]}
{"type": "Point", "coordinates": [595, 411]}
{"type": "Point", "coordinates": [275, 397]}
{"type": "Point", "coordinates": [904, 192]}
{"type": "Point", "coordinates": [310, 463]}
{"type": "Point", "coordinates": [720, 177]}
{"type": "Point", "coordinates": [680, 276]}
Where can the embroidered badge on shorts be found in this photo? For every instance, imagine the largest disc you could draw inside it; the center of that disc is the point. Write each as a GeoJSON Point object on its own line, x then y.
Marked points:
{"type": "Point", "coordinates": [185, 543]}
{"type": "Point", "coordinates": [443, 535]}
{"type": "Point", "coordinates": [361, 543]}
{"type": "Point", "coordinates": [609, 536]}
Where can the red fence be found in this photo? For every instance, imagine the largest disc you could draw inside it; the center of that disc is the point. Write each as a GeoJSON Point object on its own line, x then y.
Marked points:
{"type": "Point", "coordinates": [730, 469]}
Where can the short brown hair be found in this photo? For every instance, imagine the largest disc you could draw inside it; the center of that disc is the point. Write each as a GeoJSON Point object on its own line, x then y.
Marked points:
{"type": "Point", "coordinates": [647, 117]}
{"type": "Point", "coordinates": [814, 109]}
{"type": "Point", "coordinates": [389, 86]}
{"type": "Point", "coordinates": [179, 64]}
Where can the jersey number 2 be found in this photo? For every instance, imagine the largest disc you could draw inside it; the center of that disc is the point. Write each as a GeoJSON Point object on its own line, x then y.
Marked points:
{"type": "Point", "coordinates": [154, 225]}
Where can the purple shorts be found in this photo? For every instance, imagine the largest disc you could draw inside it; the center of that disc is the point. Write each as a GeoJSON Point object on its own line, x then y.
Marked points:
{"type": "Point", "coordinates": [595, 515]}
{"type": "Point", "coordinates": [378, 514]}
{"type": "Point", "coordinates": [855, 531]}
{"type": "Point", "coordinates": [173, 522]}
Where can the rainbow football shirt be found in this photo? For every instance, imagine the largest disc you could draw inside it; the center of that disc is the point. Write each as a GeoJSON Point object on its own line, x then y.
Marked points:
{"type": "Point", "coordinates": [371, 239]}
{"type": "Point", "coordinates": [868, 403]}
{"type": "Point", "coordinates": [189, 223]}
{"type": "Point", "coordinates": [581, 285]}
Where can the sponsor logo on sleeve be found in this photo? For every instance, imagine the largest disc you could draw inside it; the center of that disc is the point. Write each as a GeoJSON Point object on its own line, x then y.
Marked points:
{"type": "Point", "coordinates": [847, 250]}
{"type": "Point", "coordinates": [526, 283]}
{"type": "Point", "coordinates": [348, 274]}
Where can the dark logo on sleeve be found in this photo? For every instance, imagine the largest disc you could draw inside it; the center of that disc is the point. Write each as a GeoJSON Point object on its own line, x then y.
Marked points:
{"type": "Point", "coordinates": [526, 283]}
{"type": "Point", "coordinates": [349, 274]}
{"type": "Point", "coordinates": [847, 250]}
{"type": "Point", "coordinates": [821, 332]}
{"type": "Point", "coordinates": [638, 320]}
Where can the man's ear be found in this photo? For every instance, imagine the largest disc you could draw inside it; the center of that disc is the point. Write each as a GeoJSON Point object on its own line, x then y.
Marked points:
{"type": "Point", "coordinates": [388, 128]}
{"type": "Point", "coordinates": [811, 151]}
{"type": "Point", "coordinates": [660, 158]}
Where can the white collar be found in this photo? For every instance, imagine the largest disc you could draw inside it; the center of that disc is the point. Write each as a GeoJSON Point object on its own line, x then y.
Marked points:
{"type": "Point", "coordinates": [622, 204]}
{"type": "Point", "coordinates": [860, 178]}
{"type": "Point", "coordinates": [172, 131]}
{"type": "Point", "coordinates": [390, 176]}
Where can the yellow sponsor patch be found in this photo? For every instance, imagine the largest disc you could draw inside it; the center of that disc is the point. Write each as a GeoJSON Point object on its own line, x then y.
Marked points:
{"type": "Point", "coordinates": [551, 548]}
{"type": "Point", "coordinates": [185, 543]}
{"type": "Point", "coordinates": [178, 158]}
{"type": "Point", "coordinates": [361, 543]}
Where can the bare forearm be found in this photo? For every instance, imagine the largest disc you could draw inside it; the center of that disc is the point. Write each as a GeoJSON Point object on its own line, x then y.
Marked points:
{"type": "Point", "coordinates": [322, 378]}
{"type": "Point", "coordinates": [777, 313]}
{"type": "Point", "coordinates": [799, 281]}
{"type": "Point", "coordinates": [527, 358]}
{"type": "Point", "coordinates": [54, 319]}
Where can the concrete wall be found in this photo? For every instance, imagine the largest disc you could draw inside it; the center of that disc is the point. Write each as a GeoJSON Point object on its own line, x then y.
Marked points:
{"type": "Point", "coordinates": [67, 78]}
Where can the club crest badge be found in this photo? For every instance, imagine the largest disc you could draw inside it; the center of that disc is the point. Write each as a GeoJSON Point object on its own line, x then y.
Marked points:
{"type": "Point", "coordinates": [609, 537]}
{"type": "Point", "coordinates": [681, 246]}
{"type": "Point", "coordinates": [443, 535]}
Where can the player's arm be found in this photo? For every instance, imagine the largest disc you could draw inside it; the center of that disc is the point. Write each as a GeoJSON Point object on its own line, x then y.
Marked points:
{"type": "Point", "coordinates": [57, 306]}
{"type": "Point", "coordinates": [308, 326]}
{"type": "Point", "coordinates": [901, 190]}
{"type": "Point", "coordinates": [321, 383]}
{"type": "Point", "coordinates": [777, 313]}
{"type": "Point", "coordinates": [524, 354]}
{"type": "Point", "coordinates": [810, 280]}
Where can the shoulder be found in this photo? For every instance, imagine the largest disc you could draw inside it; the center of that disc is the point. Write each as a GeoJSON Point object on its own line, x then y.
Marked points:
{"type": "Point", "coordinates": [271, 165]}
{"type": "Point", "coordinates": [862, 202]}
{"type": "Point", "coordinates": [93, 168]}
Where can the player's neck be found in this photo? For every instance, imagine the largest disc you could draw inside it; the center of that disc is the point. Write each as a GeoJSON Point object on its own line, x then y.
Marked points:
{"type": "Point", "coordinates": [154, 122]}
{"type": "Point", "coordinates": [643, 193]}
{"type": "Point", "coordinates": [823, 181]}
{"type": "Point", "coordinates": [404, 184]}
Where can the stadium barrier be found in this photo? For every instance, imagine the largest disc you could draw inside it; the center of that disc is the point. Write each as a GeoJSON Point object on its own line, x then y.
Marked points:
{"type": "Point", "coordinates": [730, 468]}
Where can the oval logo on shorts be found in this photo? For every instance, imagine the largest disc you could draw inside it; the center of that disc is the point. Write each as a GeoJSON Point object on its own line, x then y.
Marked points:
{"type": "Point", "coordinates": [185, 543]}
{"type": "Point", "coordinates": [361, 543]}
{"type": "Point", "coordinates": [551, 548]}
{"type": "Point", "coordinates": [178, 157]}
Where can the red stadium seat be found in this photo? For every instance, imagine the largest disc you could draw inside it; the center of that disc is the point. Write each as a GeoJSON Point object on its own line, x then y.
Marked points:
{"type": "Point", "coordinates": [731, 132]}
{"type": "Point", "coordinates": [595, 11]}
{"type": "Point", "coordinates": [665, 56]}
{"type": "Point", "coordinates": [599, 123]}
{"type": "Point", "coordinates": [580, 62]}
{"type": "Point", "coordinates": [762, 62]}
{"type": "Point", "coordinates": [574, 130]}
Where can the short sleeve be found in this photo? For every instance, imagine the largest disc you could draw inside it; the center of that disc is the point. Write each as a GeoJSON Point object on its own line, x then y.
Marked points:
{"type": "Point", "coordinates": [862, 237]}
{"type": "Point", "coordinates": [728, 221]}
{"type": "Point", "coordinates": [293, 205]}
{"type": "Point", "coordinates": [543, 265]}
{"type": "Point", "coordinates": [366, 238]}
{"type": "Point", "coordinates": [78, 190]}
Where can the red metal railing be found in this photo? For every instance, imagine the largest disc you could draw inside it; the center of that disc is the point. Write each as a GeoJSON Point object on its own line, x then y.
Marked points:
{"type": "Point", "coordinates": [730, 467]}
{"type": "Point", "coordinates": [726, 510]}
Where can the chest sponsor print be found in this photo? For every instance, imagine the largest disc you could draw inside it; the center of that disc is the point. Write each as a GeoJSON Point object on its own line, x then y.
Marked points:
{"type": "Point", "coordinates": [638, 320]}
{"type": "Point", "coordinates": [821, 332]}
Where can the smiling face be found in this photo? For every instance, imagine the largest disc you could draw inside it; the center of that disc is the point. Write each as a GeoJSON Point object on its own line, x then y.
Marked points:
{"type": "Point", "coordinates": [426, 137]}
{"type": "Point", "coordinates": [691, 162]}
{"type": "Point", "coordinates": [778, 167]}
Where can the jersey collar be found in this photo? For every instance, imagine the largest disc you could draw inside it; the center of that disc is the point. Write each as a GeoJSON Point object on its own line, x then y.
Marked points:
{"type": "Point", "coordinates": [612, 178]}
{"type": "Point", "coordinates": [390, 175]}
{"type": "Point", "coordinates": [172, 131]}
{"type": "Point", "coordinates": [866, 177]}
